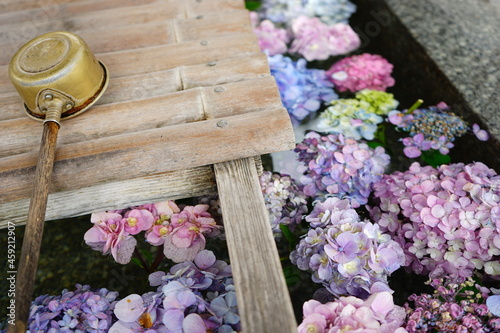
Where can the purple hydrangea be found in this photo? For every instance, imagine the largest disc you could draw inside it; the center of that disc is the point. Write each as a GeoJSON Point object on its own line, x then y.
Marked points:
{"type": "Point", "coordinates": [340, 166]}
{"type": "Point", "coordinates": [446, 219]}
{"type": "Point", "coordinates": [302, 90]}
{"type": "Point", "coordinates": [285, 202]}
{"type": "Point", "coordinates": [346, 255]}
{"type": "Point", "coordinates": [194, 296]}
{"type": "Point", "coordinates": [82, 310]}
{"type": "Point", "coordinates": [433, 128]}
{"type": "Point", "coordinates": [454, 307]}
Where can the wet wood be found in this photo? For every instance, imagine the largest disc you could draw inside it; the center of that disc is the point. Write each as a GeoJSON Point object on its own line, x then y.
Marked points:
{"type": "Point", "coordinates": [264, 303]}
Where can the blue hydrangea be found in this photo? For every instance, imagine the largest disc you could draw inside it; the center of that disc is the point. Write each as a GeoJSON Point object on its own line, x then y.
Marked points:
{"type": "Point", "coordinates": [302, 90]}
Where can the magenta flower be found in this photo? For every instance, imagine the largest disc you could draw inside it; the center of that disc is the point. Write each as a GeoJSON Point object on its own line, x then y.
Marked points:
{"type": "Point", "coordinates": [342, 248]}
{"type": "Point", "coordinates": [358, 72]}
{"type": "Point", "coordinates": [480, 133]}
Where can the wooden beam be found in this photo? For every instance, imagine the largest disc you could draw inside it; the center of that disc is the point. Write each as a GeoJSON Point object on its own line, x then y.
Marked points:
{"type": "Point", "coordinates": [263, 300]}
{"type": "Point", "coordinates": [117, 195]}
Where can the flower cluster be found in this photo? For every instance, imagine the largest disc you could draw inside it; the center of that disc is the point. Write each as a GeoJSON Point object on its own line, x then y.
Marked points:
{"type": "Point", "coordinates": [358, 72]}
{"type": "Point", "coordinates": [432, 128]}
{"type": "Point", "coordinates": [182, 233]}
{"type": "Point", "coordinates": [454, 307]}
{"type": "Point", "coordinates": [272, 40]}
{"type": "Point", "coordinates": [329, 11]}
{"type": "Point", "coordinates": [315, 40]}
{"type": "Point", "coordinates": [351, 118]}
{"type": "Point", "coordinates": [381, 103]}
{"type": "Point", "coordinates": [285, 202]}
{"type": "Point", "coordinates": [194, 296]}
{"type": "Point", "coordinates": [345, 254]}
{"type": "Point", "coordinates": [446, 219]}
{"type": "Point", "coordinates": [350, 314]}
{"type": "Point", "coordinates": [302, 90]}
{"type": "Point", "coordinates": [340, 166]}
{"type": "Point", "coordinates": [82, 310]}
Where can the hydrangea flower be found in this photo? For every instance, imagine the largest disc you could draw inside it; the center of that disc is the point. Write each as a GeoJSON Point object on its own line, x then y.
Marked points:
{"type": "Point", "coordinates": [82, 310]}
{"type": "Point", "coordinates": [272, 40]}
{"type": "Point", "coordinates": [194, 296]}
{"type": "Point", "coordinates": [381, 103]}
{"type": "Point", "coordinates": [358, 72]}
{"type": "Point", "coordinates": [446, 219]}
{"type": "Point", "coordinates": [315, 40]}
{"type": "Point", "coordinates": [432, 128]}
{"type": "Point", "coordinates": [351, 117]}
{"type": "Point", "coordinates": [454, 307]}
{"type": "Point", "coordinates": [182, 233]}
{"type": "Point", "coordinates": [285, 202]}
{"type": "Point", "coordinates": [346, 255]}
{"type": "Point", "coordinates": [329, 11]}
{"type": "Point", "coordinates": [340, 166]}
{"type": "Point", "coordinates": [350, 314]}
{"type": "Point", "coordinates": [302, 90]}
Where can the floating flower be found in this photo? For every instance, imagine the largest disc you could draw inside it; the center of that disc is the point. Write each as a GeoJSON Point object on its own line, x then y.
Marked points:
{"type": "Point", "coordinates": [351, 117]}
{"type": "Point", "coordinates": [340, 166]}
{"type": "Point", "coordinates": [271, 39]}
{"type": "Point", "coordinates": [381, 103]}
{"type": "Point", "coordinates": [285, 202]}
{"type": "Point", "coordinates": [346, 255]}
{"type": "Point", "coordinates": [350, 314]}
{"type": "Point", "coordinates": [315, 40]}
{"type": "Point", "coordinates": [302, 90]}
{"type": "Point", "coordinates": [446, 219]}
{"type": "Point", "coordinates": [328, 11]}
{"type": "Point", "coordinates": [358, 72]}
{"type": "Point", "coordinates": [433, 128]}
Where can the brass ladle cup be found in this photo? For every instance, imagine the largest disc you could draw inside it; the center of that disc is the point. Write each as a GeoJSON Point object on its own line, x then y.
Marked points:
{"type": "Point", "coordinates": [57, 77]}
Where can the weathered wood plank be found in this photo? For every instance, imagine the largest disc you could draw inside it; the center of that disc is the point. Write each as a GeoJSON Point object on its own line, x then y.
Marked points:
{"type": "Point", "coordinates": [159, 58]}
{"type": "Point", "coordinates": [264, 303]}
{"type": "Point", "coordinates": [21, 135]}
{"type": "Point", "coordinates": [116, 195]}
{"type": "Point", "coordinates": [145, 34]}
{"type": "Point", "coordinates": [148, 152]}
{"type": "Point", "coordinates": [126, 88]}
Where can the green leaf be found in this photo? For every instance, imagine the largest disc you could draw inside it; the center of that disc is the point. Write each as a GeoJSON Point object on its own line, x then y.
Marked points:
{"type": "Point", "coordinates": [374, 144]}
{"type": "Point", "coordinates": [137, 262]}
{"type": "Point", "coordinates": [380, 134]}
{"type": "Point", "coordinates": [292, 276]}
{"type": "Point", "coordinates": [288, 235]}
{"type": "Point", "coordinates": [148, 256]}
{"type": "Point", "coordinates": [252, 5]}
{"type": "Point", "coordinates": [434, 158]}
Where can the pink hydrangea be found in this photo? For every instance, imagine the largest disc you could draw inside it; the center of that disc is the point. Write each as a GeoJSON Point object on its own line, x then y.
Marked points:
{"type": "Point", "coordinates": [315, 40]}
{"type": "Point", "coordinates": [351, 314]}
{"type": "Point", "coordinates": [109, 236]}
{"type": "Point", "coordinates": [358, 72]}
{"type": "Point", "coordinates": [271, 39]}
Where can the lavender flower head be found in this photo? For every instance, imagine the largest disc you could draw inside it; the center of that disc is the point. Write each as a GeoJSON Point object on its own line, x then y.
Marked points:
{"type": "Point", "coordinates": [302, 90]}
{"type": "Point", "coordinates": [285, 202]}
{"type": "Point", "coordinates": [432, 128]}
{"type": "Point", "coordinates": [340, 166]}
{"type": "Point", "coordinates": [446, 219]}
{"type": "Point", "coordinates": [346, 255]}
{"type": "Point", "coordinates": [82, 310]}
{"type": "Point", "coordinates": [194, 296]}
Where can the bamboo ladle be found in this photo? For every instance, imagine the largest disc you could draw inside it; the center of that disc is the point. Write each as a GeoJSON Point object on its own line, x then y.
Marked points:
{"type": "Point", "coordinates": [57, 77]}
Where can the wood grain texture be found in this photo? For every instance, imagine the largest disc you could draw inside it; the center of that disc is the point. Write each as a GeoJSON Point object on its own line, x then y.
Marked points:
{"type": "Point", "coordinates": [172, 185]}
{"type": "Point", "coordinates": [148, 152]}
{"type": "Point", "coordinates": [30, 252]}
{"type": "Point", "coordinates": [263, 301]}
{"type": "Point", "coordinates": [187, 106]}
